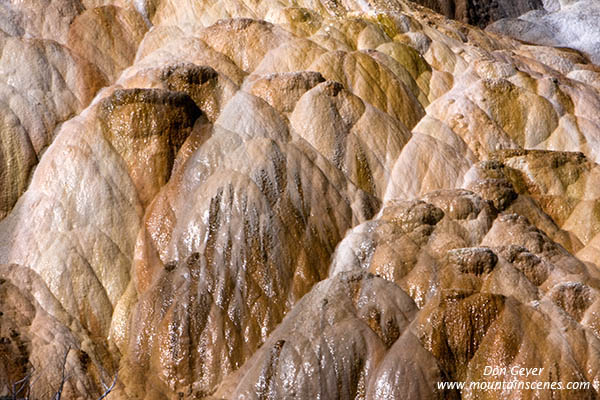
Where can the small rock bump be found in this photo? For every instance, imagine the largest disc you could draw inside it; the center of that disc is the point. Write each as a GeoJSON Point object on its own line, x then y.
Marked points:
{"type": "Point", "coordinates": [170, 266]}
{"type": "Point", "coordinates": [473, 260]}
{"type": "Point", "coordinates": [573, 297]}
{"type": "Point", "coordinates": [499, 191]}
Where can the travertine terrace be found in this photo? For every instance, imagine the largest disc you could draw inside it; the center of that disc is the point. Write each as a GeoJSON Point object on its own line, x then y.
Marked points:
{"type": "Point", "coordinates": [298, 199]}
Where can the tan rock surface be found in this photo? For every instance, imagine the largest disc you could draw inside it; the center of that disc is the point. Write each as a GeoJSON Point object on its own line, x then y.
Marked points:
{"type": "Point", "coordinates": [230, 199]}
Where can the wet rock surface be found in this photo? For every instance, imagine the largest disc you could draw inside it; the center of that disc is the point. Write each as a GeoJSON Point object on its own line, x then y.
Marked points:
{"type": "Point", "coordinates": [330, 199]}
{"type": "Point", "coordinates": [482, 12]}
{"type": "Point", "coordinates": [147, 127]}
{"type": "Point", "coordinates": [570, 24]}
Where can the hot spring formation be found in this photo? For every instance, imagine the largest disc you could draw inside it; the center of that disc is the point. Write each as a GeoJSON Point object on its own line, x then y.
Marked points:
{"type": "Point", "coordinates": [307, 199]}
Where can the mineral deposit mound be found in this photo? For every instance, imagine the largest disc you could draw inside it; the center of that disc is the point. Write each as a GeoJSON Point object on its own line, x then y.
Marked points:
{"type": "Point", "coordinates": [299, 199]}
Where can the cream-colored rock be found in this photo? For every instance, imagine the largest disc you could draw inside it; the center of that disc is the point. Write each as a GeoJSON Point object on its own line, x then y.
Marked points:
{"type": "Point", "coordinates": [247, 208]}
{"type": "Point", "coordinates": [84, 215]}
{"type": "Point", "coordinates": [339, 352]}
{"type": "Point", "coordinates": [24, 19]}
{"type": "Point", "coordinates": [479, 306]}
{"type": "Point", "coordinates": [354, 136]}
{"type": "Point", "coordinates": [371, 81]}
{"type": "Point", "coordinates": [35, 100]}
{"type": "Point", "coordinates": [40, 342]}
{"type": "Point", "coordinates": [39, 339]}
{"type": "Point", "coordinates": [309, 199]}
{"type": "Point", "coordinates": [562, 184]}
{"type": "Point", "coordinates": [108, 37]}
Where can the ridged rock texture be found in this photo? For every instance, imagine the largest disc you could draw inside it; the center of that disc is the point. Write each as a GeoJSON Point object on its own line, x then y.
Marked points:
{"type": "Point", "coordinates": [331, 199]}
